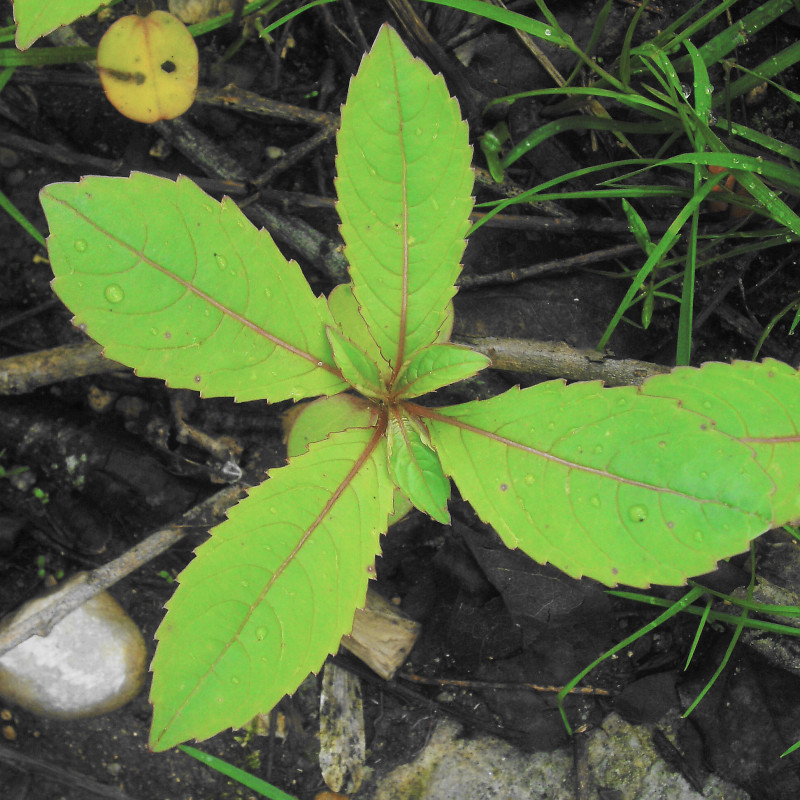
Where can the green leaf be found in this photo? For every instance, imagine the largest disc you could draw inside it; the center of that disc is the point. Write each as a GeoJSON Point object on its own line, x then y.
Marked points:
{"type": "Point", "coordinates": [416, 469]}
{"type": "Point", "coordinates": [404, 185]}
{"type": "Point", "coordinates": [271, 593]}
{"type": "Point", "coordinates": [437, 366]}
{"type": "Point", "coordinates": [758, 404]}
{"type": "Point", "coordinates": [315, 420]}
{"type": "Point", "coordinates": [356, 367]}
{"type": "Point", "coordinates": [184, 288]}
{"type": "Point", "coordinates": [638, 227]}
{"type": "Point", "coordinates": [344, 310]}
{"type": "Point", "coordinates": [607, 483]}
{"type": "Point", "coordinates": [35, 18]}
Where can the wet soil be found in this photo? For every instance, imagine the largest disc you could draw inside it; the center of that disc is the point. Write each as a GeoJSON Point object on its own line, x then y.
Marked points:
{"type": "Point", "coordinates": [488, 614]}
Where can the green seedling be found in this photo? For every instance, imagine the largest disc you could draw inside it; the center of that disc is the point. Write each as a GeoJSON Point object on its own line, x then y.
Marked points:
{"type": "Point", "coordinates": [625, 485]}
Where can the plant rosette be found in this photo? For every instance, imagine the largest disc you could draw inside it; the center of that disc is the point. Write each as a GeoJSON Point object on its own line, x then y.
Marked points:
{"type": "Point", "coordinates": [626, 485]}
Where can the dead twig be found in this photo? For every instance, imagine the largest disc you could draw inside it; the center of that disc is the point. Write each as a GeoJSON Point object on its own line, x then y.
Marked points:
{"type": "Point", "coordinates": [24, 373]}
{"type": "Point", "coordinates": [316, 248]}
{"type": "Point", "coordinates": [61, 775]}
{"type": "Point", "coordinates": [513, 686]}
{"type": "Point", "coordinates": [203, 515]}
{"type": "Point", "coordinates": [559, 360]}
{"type": "Point", "coordinates": [546, 267]}
{"type": "Point", "coordinates": [243, 100]}
{"type": "Point", "coordinates": [295, 154]}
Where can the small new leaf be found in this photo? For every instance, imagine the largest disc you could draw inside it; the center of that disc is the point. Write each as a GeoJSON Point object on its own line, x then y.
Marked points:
{"type": "Point", "coordinates": [344, 310]}
{"type": "Point", "coordinates": [356, 368]}
{"type": "Point", "coordinates": [416, 469]}
{"type": "Point", "coordinates": [437, 366]}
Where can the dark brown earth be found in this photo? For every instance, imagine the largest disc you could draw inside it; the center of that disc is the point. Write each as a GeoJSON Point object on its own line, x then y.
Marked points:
{"type": "Point", "coordinates": [482, 607]}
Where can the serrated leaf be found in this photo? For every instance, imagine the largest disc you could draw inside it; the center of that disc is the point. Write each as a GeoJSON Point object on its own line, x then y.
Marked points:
{"type": "Point", "coordinates": [35, 18]}
{"type": "Point", "coordinates": [271, 593]}
{"type": "Point", "coordinates": [758, 404]}
{"type": "Point", "coordinates": [437, 366]}
{"type": "Point", "coordinates": [607, 483]}
{"type": "Point", "coordinates": [404, 185]}
{"type": "Point", "coordinates": [184, 288]}
{"type": "Point", "coordinates": [356, 367]}
{"type": "Point", "coordinates": [416, 470]}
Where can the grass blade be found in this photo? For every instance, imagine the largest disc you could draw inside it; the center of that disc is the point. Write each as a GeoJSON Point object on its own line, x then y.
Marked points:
{"type": "Point", "coordinates": [250, 781]}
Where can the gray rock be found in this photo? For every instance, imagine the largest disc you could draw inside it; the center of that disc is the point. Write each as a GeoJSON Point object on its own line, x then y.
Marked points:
{"type": "Point", "coordinates": [621, 758]}
{"type": "Point", "coordinates": [92, 662]}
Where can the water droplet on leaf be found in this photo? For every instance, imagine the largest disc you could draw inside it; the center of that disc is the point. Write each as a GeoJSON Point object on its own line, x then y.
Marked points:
{"type": "Point", "coordinates": [222, 262]}
{"type": "Point", "coordinates": [114, 293]}
{"type": "Point", "coordinates": [637, 513]}
{"type": "Point", "coordinates": [80, 245]}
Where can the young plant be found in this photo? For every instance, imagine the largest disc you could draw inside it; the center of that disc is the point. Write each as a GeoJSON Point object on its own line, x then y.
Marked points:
{"type": "Point", "coordinates": [627, 485]}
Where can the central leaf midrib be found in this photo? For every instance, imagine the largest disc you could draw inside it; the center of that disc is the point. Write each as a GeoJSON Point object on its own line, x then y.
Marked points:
{"type": "Point", "coordinates": [605, 474]}
{"type": "Point", "coordinates": [401, 333]}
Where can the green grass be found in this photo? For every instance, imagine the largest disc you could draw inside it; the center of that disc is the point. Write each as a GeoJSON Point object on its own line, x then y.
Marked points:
{"type": "Point", "coordinates": [661, 88]}
{"type": "Point", "coordinates": [242, 776]}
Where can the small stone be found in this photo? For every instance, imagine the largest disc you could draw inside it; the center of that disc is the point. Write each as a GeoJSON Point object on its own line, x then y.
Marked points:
{"type": "Point", "coordinates": [92, 662]}
{"type": "Point", "coordinates": [9, 733]}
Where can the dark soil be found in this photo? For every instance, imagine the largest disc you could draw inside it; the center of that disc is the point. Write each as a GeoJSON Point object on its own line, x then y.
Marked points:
{"type": "Point", "coordinates": [488, 614]}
